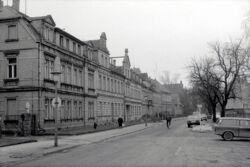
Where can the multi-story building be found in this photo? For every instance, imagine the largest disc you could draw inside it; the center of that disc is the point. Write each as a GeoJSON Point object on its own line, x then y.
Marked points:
{"type": "Point", "coordinates": [89, 83]}
{"type": "Point", "coordinates": [110, 91]}
{"type": "Point", "coordinates": [33, 47]}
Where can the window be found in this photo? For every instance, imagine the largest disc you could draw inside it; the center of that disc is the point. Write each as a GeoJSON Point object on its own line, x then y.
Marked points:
{"type": "Point", "coordinates": [80, 110]}
{"type": "Point", "coordinates": [112, 85]}
{"type": "Point", "coordinates": [63, 78]}
{"type": "Point", "coordinates": [48, 109]}
{"type": "Point", "coordinates": [91, 80]}
{"type": "Point", "coordinates": [61, 41]}
{"type": "Point", "coordinates": [106, 62]}
{"type": "Point", "coordinates": [46, 33]}
{"type": "Point", "coordinates": [80, 78]}
{"type": "Point", "coordinates": [244, 123]}
{"type": "Point", "coordinates": [230, 122]}
{"type": "Point", "coordinates": [69, 74]}
{"type": "Point", "coordinates": [12, 68]}
{"type": "Point", "coordinates": [79, 49]}
{"type": "Point", "coordinates": [48, 68]}
{"type": "Point", "coordinates": [75, 112]}
{"type": "Point", "coordinates": [69, 114]}
{"type": "Point", "coordinates": [62, 112]}
{"type": "Point", "coordinates": [75, 75]}
{"type": "Point", "coordinates": [74, 47]}
{"type": "Point", "coordinates": [100, 82]}
{"type": "Point", "coordinates": [115, 86]}
{"type": "Point", "coordinates": [102, 59]}
{"type": "Point", "coordinates": [104, 83]}
{"type": "Point", "coordinates": [91, 110]}
{"type": "Point", "coordinates": [67, 44]}
{"type": "Point", "coordinates": [12, 32]}
{"type": "Point", "coordinates": [108, 82]}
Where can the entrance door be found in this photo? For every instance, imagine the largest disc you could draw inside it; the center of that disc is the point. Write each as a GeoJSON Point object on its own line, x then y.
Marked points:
{"type": "Point", "coordinates": [11, 107]}
{"type": "Point", "coordinates": [112, 111]}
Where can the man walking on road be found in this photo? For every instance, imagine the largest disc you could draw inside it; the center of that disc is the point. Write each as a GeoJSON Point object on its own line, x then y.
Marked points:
{"type": "Point", "coordinates": [168, 119]}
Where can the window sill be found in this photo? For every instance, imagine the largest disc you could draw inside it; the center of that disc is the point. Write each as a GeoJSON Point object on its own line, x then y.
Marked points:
{"type": "Point", "coordinates": [49, 81]}
{"type": "Point", "coordinates": [15, 80]}
{"type": "Point", "coordinates": [11, 40]}
{"type": "Point", "coordinates": [49, 120]}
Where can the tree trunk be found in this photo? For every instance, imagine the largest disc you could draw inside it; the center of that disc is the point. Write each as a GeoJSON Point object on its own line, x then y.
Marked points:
{"type": "Point", "coordinates": [214, 113]}
{"type": "Point", "coordinates": [223, 107]}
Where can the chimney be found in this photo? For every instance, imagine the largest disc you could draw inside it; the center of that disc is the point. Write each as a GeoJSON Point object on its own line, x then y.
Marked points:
{"type": "Point", "coordinates": [126, 52]}
{"type": "Point", "coordinates": [1, 3]}
{"type": "Point", "coordinates": [16, 4]}
{"type": "Point", "coordinates": [103, 40]}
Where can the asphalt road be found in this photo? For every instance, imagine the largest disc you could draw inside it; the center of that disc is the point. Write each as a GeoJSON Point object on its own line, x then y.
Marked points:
{"type": "Point", "coordinates": [155, 147]}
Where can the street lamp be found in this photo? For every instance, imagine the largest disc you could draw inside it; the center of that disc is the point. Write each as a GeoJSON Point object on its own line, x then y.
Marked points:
{"type": "Point", "coordinates": [56, 73]}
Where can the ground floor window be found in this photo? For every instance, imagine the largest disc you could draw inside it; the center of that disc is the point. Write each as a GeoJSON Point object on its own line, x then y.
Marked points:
{"type": "Point", "coordinates": [49, 114]}
{"type": "Point", "coordinates": [91, 110]}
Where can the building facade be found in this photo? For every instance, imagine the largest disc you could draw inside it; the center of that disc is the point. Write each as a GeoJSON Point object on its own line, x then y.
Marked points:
{"type": "Point", "coordinates": [92, 88]}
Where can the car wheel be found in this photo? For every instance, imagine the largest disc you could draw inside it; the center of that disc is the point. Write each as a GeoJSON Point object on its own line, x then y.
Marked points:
{"type": "Point", "coordinates": [228, 136]}
{"type": "Point", "coordinates": [188, 125]}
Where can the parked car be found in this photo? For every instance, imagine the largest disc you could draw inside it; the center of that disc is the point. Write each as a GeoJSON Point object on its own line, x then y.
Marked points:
{"type": "Point", "coordinates": [203, 117]}
{"type": "Point", "coordinates": [193, 120]}
{"type": "Point", "coordinates": [230, 127]}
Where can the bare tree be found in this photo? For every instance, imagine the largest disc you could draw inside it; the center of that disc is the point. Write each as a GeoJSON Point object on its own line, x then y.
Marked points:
{"type": "Point", "coordinates": [216, 77]}
{"type": "Point", "coordinates": [167, 78]}
{"type": "Point", "coordinates": [231, 61]}
{"type": "Point", "coordinates": [201, 77]}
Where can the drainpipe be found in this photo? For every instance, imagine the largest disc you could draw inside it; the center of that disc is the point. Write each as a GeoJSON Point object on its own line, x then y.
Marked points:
{"type": "Point", "coordinates": [39, 85]}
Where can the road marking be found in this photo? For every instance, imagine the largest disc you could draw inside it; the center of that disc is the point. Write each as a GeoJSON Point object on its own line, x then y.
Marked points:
{"type": "Point", "coordinates": [178, 150]}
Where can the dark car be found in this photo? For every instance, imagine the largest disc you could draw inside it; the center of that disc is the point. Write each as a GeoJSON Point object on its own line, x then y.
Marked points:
{"type": "Point", "coordinates": [230, 127]}
{"type": "Point", "coordinates": [193, 120]}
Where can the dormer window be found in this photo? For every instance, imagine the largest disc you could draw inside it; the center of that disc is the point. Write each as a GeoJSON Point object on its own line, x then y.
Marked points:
{"type": "Point", "coordinates": [12, 33]}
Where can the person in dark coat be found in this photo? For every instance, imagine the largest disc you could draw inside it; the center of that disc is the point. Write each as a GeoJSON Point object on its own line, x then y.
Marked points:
{"type": "Point", "coordinates": [168, 119]}
{"type": "Point", "coordinates": [120, 121]}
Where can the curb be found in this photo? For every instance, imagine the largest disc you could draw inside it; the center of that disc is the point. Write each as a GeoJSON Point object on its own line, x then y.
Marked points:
{"type": "Point", "coordinates": [39, 155]}
{"type": "Point", "coordinates": [21, 142]}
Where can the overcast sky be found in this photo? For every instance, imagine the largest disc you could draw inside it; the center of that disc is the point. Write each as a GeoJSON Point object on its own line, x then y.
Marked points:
{"type": "Point", "coordinates": [160, 34]}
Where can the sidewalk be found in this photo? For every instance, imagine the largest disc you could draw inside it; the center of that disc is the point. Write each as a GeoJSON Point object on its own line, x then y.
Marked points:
{"type": "Point", "coordinates": [18, 153]}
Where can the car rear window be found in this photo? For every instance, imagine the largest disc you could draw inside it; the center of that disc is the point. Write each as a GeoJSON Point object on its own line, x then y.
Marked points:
{"type": "Point", "coordinates": [227, 122]}
{"type": "Point", "coordinates": [245, 123]}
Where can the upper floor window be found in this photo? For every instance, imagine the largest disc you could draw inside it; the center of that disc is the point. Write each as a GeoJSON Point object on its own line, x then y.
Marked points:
{"type": "Point", "coordinates": [63, 73]}
{"type": "Point", "coordinates": [106, 62]}
{"type": "Point", "coordinates": [102, 59]}
{"type": "Point", "coordinates": [100, 82]}
{"type": "Point", "coordinates": [79, 49]}
{"type": "Point", "coordinates": [67, 44]}
{"type": "Point", "coordinates": [108, 83]}
{"type": "Point", "coordinates": [69, 75]}
{"type": "Point", "coordinates": [12, 32]}
{"type": "Point", "coordinates": [80, 78]}
{"type": "Point", "coordinates": [12, 68]}
{"type": "Point", "coordinates": [49, 67]}
{"type": "Point", "coordinates": [74, 47]}
{"type": "Point", "coordinates": [75, 76]}
{"type": "Point", "coordinates": [91, 80]}
{"type": "Point", "coordinates": [61, 41]}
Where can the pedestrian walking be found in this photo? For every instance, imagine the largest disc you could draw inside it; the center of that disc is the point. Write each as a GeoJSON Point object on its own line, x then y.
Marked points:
{"type": "Point", "coordinates": [120, 121]}
{"type": "Point", "coordinates": [168, 119]}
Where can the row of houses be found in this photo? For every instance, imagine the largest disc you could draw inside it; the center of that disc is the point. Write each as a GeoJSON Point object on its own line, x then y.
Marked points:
{"type": "Point", "coordinates": [92, 85]}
